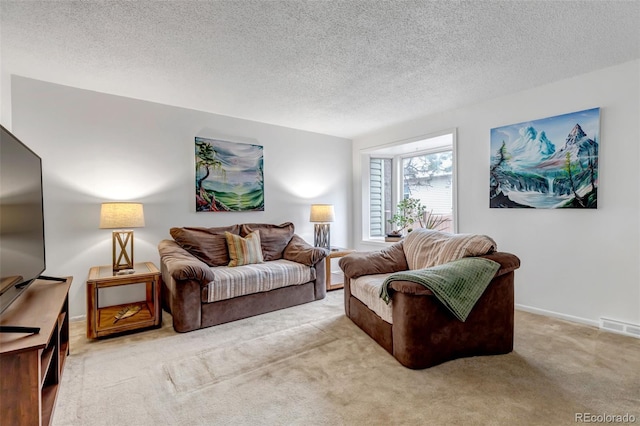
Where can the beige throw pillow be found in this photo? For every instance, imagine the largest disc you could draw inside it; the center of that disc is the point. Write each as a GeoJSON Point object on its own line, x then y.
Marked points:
{"type": "Point", "coordinates": [244, 251]}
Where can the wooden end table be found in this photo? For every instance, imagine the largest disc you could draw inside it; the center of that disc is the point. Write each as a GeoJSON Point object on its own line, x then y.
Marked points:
{"type": "Point", "coordinates": [335, 280]}
{"type": "Point", "coordinates": [31, 365]}
{"type": "Point", "coordinates": [101, 320]}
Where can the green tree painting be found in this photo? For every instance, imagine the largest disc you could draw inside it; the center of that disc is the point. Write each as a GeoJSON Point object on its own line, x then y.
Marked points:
{"type": "Point", "coordinates": [229, 176]}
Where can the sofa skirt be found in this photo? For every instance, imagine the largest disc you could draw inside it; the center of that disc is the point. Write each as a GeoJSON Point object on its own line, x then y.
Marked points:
{"type": "Point", "coordinates": [257, 303]}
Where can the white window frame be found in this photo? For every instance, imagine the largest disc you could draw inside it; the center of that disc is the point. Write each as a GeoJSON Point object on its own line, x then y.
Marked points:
{"type": "Point", "coordinates": [419, 145]}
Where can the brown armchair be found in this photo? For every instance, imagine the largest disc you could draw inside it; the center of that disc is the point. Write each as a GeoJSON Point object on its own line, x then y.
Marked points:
{"type": "Point", "coordinates": [422, 332]}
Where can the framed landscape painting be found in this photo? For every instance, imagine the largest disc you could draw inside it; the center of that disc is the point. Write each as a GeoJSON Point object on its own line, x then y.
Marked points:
{"type": "Point", "coordinates": [550, 163]}
{"type": "Point", "coordinates": [229, 176]}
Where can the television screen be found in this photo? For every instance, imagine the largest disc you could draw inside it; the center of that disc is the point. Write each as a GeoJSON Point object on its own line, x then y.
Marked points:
{"type": "Point", "coordinates": [22, 256]}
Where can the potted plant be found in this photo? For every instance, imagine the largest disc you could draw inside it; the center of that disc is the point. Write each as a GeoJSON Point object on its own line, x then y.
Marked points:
{"type": "Point", "coordinates": [410, 211]}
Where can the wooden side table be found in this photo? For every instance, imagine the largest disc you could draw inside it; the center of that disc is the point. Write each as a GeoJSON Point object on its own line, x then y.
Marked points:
{"type": "Point", "coordinates": [335, 280]}
{"type": "Point", "coordinates": [101, 320]}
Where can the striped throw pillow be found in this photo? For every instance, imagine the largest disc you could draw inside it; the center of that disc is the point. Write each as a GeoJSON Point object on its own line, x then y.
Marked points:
{"type": "Point", "coordinates": [244, 251]}
{"type": "Point", "coordinates": [425, 248]}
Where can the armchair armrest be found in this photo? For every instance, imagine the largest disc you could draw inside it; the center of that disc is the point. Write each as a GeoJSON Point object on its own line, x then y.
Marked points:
{"type": "Point", "coordinates": [390, 259]}
{"type": "Point", "coordinates": [181, 264]}
{"type": "Point", "coordinates": [508, 263]}
{"type": "Point", "coordinates": [298, 250]}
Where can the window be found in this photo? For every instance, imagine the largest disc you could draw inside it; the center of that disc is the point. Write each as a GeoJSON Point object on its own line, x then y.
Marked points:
{"type": "Point", "coordinates": [423, 168]}
{"type": "Point", "coordinates": [379, 196]}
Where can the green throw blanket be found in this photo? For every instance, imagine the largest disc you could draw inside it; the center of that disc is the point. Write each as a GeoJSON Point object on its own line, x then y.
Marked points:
{"type": "Point", "coordinates": [457, 284]}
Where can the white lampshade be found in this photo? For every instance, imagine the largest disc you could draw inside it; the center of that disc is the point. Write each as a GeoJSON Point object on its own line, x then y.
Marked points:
{"type": "Point", "coordinates": [121, 215]}
{"type": "Point", "coordinates": [321, 213]}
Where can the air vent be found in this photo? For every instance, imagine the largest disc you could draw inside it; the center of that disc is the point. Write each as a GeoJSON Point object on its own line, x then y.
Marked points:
{"type": "Point", "coordinates": [620, 327]}
{"type": "Point", "coordinates": [634, 330]}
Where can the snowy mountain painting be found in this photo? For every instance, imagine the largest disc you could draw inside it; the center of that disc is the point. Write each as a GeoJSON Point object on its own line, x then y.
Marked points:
{"type": "Point", "coordinates": [546, 164]}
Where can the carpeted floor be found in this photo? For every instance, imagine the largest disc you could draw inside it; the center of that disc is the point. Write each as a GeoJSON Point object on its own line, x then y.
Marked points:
{"type": "Point", "coordinates": [310, 365]}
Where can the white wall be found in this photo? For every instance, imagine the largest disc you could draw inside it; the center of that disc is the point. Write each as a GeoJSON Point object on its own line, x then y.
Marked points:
{"type": "Point", "coordinates": [576, 264]}
{"type": "Point", "coordinates": [97, 147]}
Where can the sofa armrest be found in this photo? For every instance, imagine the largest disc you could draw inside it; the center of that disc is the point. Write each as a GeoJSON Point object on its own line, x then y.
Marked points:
{"type": "Point", "coordinates": [508, 262]}
{"type": "Point", "coordinates": [298, 250]}
{"type": "Point", "coordinates": [390, 259]}
{"type": "Point", "coordinates": [181, 264]}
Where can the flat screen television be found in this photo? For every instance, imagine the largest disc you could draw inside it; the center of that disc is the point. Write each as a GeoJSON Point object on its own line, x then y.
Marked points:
{"type": "Point", "coordinates": [22, 254]}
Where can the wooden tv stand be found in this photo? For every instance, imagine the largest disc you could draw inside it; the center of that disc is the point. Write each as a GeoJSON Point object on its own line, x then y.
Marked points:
{"type": "Point", "coordinates": [31, 364]}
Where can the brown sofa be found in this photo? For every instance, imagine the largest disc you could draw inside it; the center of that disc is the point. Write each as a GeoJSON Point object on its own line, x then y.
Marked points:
{"type": "Point", "coordinates": [419, 331]}
{"type": "Point", "coordinates": [200, 290]}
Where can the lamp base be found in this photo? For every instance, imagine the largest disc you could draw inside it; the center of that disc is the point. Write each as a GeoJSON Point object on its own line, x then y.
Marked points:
{"type": "Point", "coordinates": [122, 251]}
{"type": "Point", "coordinates": [321, 235]}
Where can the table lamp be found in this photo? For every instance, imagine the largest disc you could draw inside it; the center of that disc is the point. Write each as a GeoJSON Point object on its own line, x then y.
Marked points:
{"type": "Point", "coordinates": [122, 216]}
{"type": "Point", "coordinates": [322, 214]}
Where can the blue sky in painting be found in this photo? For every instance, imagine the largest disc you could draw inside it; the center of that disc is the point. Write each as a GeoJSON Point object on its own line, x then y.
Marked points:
{"type": "Point", "coordinates": [241, 162]}
{"type": "Point", "coordinates": [556, 128]}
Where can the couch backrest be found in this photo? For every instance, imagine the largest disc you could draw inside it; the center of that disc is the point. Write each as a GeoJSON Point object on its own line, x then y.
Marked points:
{"type": "Point", "coordinates": [210, 245]}
{"type": "Point", "coordinates": [273, 238]}
{"type": "Point", "coordinates": [207, 244]}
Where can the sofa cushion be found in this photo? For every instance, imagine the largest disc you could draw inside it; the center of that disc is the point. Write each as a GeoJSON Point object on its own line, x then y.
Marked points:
{"type": "Point", "coordinates": [238, 281]}
{"type": "Point", "coordinates": [367, 290]}
{"type": "Point", "coordinates": [207, 244]}
{"type": "Point", "coordinates": [298, 250]}
{"type": "Point", "coordinates": [244, 251]}
{"type": "Point", "coordinates": [274, 238]}
{"type": "Point", "coordinates": [424, 248]}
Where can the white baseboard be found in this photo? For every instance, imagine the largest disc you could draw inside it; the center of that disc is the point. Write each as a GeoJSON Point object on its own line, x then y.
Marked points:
{"type": "Point", "coordinates": [605, 324]}
{"type": "Point", "coordinates": [558, 315]}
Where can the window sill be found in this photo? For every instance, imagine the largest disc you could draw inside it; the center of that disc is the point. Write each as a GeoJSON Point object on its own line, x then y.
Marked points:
{"type": "Point", "coordinates": [375, 242]}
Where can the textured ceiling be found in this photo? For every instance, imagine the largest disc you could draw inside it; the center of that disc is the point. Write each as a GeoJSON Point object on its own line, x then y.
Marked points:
{"type": "Point", "coordinates": [342, 68]}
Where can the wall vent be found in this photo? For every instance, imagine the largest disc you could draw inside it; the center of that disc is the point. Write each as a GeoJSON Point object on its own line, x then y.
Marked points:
{"type": "Point", "coordinates": [620, 327]}
{"type": "Point", "coordinates": [634, 330]}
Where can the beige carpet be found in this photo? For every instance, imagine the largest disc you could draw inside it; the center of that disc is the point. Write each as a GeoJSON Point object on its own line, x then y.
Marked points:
{"type": "Point", "coordinates": [310, 365]}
